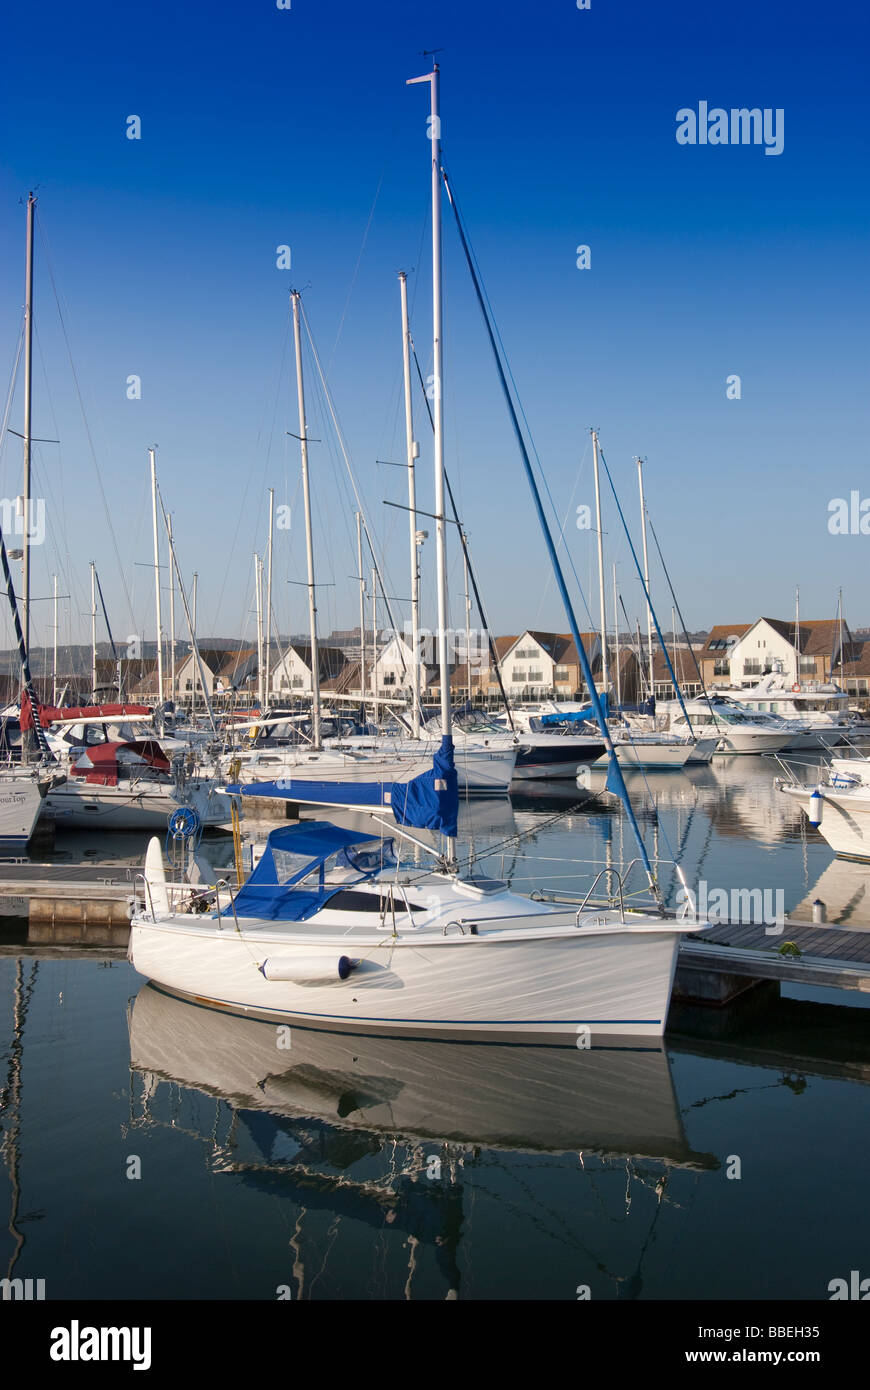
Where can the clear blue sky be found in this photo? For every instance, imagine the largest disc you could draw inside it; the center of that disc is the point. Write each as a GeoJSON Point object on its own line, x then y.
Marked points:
{"type": "Point", "coordinates": [263, 126]}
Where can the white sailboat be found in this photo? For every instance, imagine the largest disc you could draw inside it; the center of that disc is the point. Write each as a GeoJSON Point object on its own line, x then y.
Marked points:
{"type": "Point", "coordinates": [329, 932]}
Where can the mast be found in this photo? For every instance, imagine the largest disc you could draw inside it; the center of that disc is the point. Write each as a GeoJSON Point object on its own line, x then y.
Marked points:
{"type": "Point", "coordinates": [616, 640]}
{"type": "Point", "coordinates": [840, 609]}
{"type": "Point", "coordinates": [93, 631]}
{"type": "Point", "coordinates": [674, 637]}
{"type": "Point", "coordinates": [604, 680]}
{"type": "Point", "coordinates": [157, 577]}
{"type": "Point", "coordinates": [28, 393]}
{"type": "Point", "coordinates": [375, 642]}
{"type": "Point", "coordinates": [467, 617]}
{"type": "Point", "coordinates": [309, 541]}
{"type": "Point", "coordinates": [413, 451]}
{"type": "Point", "coordinates": [433, 78]}
{"type": "Point", "coordinates": [193, 637]}
{"type": "Point", "coordinates": [362, 610]}
{"type": "Point", "coordinates": [258, 600]}
{"type": "Point", "coordinates": [267, 678]}
{"type": "Point", "coordinates": [646, 576]}
{"type": "Point", "coordinates": [171, 609]}
{"type": "Point", "coordinates": [797, 631]}
{"type": "Point", "coordinates": [54, 647]}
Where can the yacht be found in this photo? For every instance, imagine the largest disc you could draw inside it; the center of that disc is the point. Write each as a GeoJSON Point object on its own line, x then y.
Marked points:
{"type": "Point", "coordinates": [736, 730]}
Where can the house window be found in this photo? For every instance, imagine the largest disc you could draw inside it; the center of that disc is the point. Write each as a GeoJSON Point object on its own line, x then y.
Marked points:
{"type": "Point", "coordinates": [719, 644]}
{"type": "Point", "coordinates": [188, 685]}
{"type": "Point", "coordinates": [752, 668]}
{"type": "Point", "coordinates": [285, 683]}
{"type": "Point", "coordinates": [527, 654]}
{"type": "Point", "coordinates": [722, 667]}
{"type": "Point", "coordinates": [563, 673]}
{"type": "Point", "coordinates": [389, 678]}
{"type": "Point", "coordinates": [808, 665]}
{"type": "Point", "coordinates": [535, 677]}
{"type": "Point", "coordinates": [297, 682]}
{"type": "Point", "coordinates": [518, 677]}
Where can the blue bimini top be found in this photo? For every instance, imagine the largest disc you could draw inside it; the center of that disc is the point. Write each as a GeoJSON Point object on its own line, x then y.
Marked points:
{"type": "Point", "coordinates": [304, 865]}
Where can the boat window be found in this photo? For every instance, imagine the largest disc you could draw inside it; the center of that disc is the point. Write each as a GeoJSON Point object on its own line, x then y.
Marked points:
{"type": "Point", "coordinates": [369, 860]}
{"type": "Point", "coordinates": [288, 865]}
{"type": "Point", "coordinates": [351, 900]}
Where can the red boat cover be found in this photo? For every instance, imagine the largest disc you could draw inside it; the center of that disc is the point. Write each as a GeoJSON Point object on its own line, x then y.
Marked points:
{"type": "Point", "coordinates": [100, 763]}
{"type": "Point", "coordinates": [48, 714]}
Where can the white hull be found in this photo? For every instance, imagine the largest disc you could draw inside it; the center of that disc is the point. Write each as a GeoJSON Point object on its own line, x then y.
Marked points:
{"type": "Point", "coordinates": [814, 740]}
{"type": "Point", "coordinates": [518, 983]}
{"type": "Point", "coordinates": [20, 806]}
{"type": "Point", "coordinates": [479, 770]}
{"type": "Point", "coordinates": [653, 756]}
{"type": "Point", "coordinates": [142, 806]}
{"type": "Point", "coordinates": [845, 823]}
{"type": "Point", "coordinates": [743, 742]}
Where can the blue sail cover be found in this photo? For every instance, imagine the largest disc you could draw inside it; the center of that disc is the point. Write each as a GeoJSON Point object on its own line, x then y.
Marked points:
{"type": "Point", "coordinates": [430, 801]}
{"type": "Point", "coordinates": [574, 716]}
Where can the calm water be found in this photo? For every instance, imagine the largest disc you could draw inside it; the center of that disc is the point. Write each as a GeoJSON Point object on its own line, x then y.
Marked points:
{"type": "Point", "coordinates": [367, 1168]}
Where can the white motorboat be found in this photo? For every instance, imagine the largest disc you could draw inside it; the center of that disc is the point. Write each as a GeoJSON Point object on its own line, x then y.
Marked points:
{"type": "Point", "coordinates": [328, 932]}
{"type": "Point", "coordinates": [815, 711]}
{"type": "Point", "coordinates": [736, 730]}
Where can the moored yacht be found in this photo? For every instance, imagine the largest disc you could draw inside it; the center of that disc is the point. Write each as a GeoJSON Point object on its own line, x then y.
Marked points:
{"type": "Point", "coordinates": [736, 730]}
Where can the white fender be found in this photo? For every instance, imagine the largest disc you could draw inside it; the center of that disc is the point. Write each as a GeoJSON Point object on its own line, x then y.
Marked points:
{"type": "Point", "coordinates": [308, 970]}
{"type": "Point", "coordinates": [155, 876]}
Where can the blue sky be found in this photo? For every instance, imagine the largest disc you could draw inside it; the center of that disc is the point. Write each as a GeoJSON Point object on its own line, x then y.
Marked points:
{"type": "Point", "coordinates": [263, 127]}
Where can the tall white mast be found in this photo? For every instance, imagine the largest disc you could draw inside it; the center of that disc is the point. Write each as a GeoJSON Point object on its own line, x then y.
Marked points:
{"type": "Point", "coordinates": [604, 673]}
{"type": "Point", "coordinates": [171, 608]}
{"type": "Point", "coordinates": [267, 681]}
{"type": "Point", "coordinates": [413, 451]}
{"type": "Point", "coordinates": [797, 632]}
{"type": "Point", "coordinates": [362, 609]}
{"type": "Point", "coordinates": [258, 601]}
{"type": "Point", "coordinates": [28, 391]}
{"type": "Point", "coordinates": [841, 636]}
{"type": "Point", "coordinates": [309, 540]}
{"type": "Point", "coordinates": [54, 652]}
{"type": "Point", "coordinates": [678, 674]}
{"type": "Point", "coordinates": [616, 640]}
{"type": "Point", "coordinates": [646, 576]}
{"type": "Point", "coordinates": [433, 78]}
{"type": "Point", "coordinates": [93, 630]}
{"type": "Point", "coordinates": [157, 577]}
{"type": "Point", "coordinates": [193, 636]}
{"type": "Point", "coordinates": [375, 643]}
{"type": "Point", "coordinates": [467, 617]}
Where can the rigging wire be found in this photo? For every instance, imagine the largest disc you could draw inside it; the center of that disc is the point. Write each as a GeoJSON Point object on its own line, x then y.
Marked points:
{"type": "Point", "coordinates": [93, 452]}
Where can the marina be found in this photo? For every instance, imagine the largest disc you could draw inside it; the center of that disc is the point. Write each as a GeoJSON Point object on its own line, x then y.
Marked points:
{"type": "Point", "coordinates": [434, 835]}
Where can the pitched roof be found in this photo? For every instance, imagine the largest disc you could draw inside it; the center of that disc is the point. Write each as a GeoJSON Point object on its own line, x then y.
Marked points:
{"type": "Point", "coordinates": [719, 633]}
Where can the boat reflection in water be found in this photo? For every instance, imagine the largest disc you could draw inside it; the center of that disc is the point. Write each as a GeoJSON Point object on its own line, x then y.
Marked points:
{"type": "Point", "coordinates": [409, 1116]}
